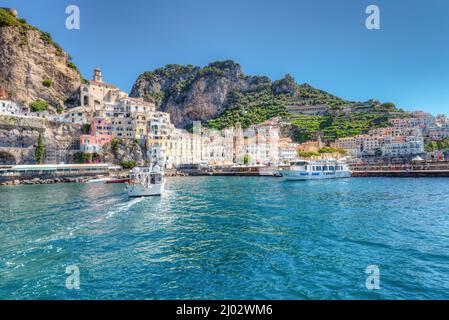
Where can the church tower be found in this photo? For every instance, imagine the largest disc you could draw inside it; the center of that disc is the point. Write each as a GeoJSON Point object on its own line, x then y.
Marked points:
{"type": "Point", "coordinates": [97, 75]}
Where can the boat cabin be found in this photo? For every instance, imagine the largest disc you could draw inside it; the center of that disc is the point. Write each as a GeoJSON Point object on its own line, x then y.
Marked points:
{"type": "Point", "coordinates": [318, 166]}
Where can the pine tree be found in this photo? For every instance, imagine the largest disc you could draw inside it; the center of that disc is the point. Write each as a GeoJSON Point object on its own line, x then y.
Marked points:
{"type": "Point", "coordinates": [40, 150]}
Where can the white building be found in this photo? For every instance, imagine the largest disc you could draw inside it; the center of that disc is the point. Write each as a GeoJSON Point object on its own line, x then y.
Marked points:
{"type": "Point", "coordinates": [8, 107]}
{"type": "Point", "coordinates": [402, 146]}
{"type": "Point", "coordinates": [262, 144]}
{"type": "Point", "coordinates": [439, 133]}
{"type": "Point", "coordinates": [288, 150]}
{"type": "Point", "coordinates": [12, 108]}
{"type": "Point", "coordinates": [78, 115]}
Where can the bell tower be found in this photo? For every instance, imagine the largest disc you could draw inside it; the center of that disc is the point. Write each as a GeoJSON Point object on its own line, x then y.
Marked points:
{"type": "Point", "coordinates": [97, 75]}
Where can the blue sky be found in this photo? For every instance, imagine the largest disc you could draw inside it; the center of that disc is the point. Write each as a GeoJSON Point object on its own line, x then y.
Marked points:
{"type": "Point", "coordinates": [321, 42]}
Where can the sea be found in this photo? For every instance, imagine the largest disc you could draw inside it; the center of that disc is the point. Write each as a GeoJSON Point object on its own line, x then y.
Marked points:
{"type": "Point", "coordinates": [227, 238]}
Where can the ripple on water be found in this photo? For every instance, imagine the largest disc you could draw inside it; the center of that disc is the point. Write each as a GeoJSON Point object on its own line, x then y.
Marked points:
{"type": "Point", "coordinates": [223, 237]}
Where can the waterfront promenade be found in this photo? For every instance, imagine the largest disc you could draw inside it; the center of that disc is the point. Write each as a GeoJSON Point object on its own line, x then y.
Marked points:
{"type": "Point", "coordinates": [416, 169]}
{"type": "Point", "coordinates": [51, 173]}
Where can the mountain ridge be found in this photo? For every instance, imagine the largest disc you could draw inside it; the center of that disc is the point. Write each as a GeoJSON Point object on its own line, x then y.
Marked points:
{"type": "Point", "coordinates": [221, 95]}
{"type": "Point", "coordinates": [191, 93]}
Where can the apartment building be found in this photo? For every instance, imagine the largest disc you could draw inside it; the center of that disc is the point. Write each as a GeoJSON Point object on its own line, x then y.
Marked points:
{"type": "Point", "coordinates": [288, 150]}
{"type": "Point", "coordinates": [402, 146]}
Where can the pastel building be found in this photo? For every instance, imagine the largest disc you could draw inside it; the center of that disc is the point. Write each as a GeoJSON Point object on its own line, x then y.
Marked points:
{"type": "Point", "coordinates": [439, 133]}
{"type": "Point", "coordinates": [288, 150]}
{"type": "Point", "coordinates": [78, 115]}
{"type": "Point", "coordinates": [100, 134]}
{"type": "Point", "coordinates": [262, 144]}
{"type": "Point", "coordinates": [158, 137]}
{"type": "Point", "coordinates": [93, 143]}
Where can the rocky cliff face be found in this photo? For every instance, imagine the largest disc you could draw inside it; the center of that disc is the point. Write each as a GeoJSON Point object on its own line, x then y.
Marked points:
{"type": "Point", "coordinates": [33, 66]}
{"type": "Point", "coordinates": [192, 93]}
{"type": "Point", "coordinates": [19, 139]}
{"type": "Point", "coordinates": [222, 90]}
{"type": "Point", "coordinates": [125, 150]}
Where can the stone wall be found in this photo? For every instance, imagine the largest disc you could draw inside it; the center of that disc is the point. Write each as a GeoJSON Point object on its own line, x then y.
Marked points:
{"type": "Point", "coordinates": [19, 136]}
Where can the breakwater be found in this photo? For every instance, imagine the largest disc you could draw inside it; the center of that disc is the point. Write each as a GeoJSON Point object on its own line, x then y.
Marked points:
{"type": "Point", "coordinates": [46, 180]}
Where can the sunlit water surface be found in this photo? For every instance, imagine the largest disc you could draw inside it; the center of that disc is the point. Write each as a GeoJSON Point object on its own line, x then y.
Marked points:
{"type": "Point", "coordinates": [224, 237]}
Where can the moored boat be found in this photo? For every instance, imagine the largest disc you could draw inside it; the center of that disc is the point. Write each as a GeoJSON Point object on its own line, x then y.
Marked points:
{"type": "Point", "coordinates": [118, 180]}
{"type": "Point", "coordinates": [99, 180]}
{"type": "Point", "coordinates": [315, 170]}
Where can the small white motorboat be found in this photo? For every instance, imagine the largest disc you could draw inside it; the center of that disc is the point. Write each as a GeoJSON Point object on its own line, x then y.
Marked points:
{"type": "Point", "coordinates": [145, 182]}
{"type": "Point", "coordinates": [99, 180]}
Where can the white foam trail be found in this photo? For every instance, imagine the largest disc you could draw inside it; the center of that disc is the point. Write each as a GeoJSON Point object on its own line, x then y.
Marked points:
{"type": "Point", "coordinates": [122, 207]}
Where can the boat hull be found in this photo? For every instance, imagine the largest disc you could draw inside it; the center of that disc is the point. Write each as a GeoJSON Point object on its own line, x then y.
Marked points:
{"type": "Point", "coordinates": [99, 180]}
{"type": "Point", "coordinates": [291, 175]}
{"type": "Point", "coordinates": [138, 190]}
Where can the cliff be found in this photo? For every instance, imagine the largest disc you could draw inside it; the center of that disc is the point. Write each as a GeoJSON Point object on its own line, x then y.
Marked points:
{"type": "Point", "coordinates": [33, 66]}
{"type": "Point", "coordinates": [221, 95]}
{"type": "Point", "coordinates": [19, 139]}
{"type": "Point", "coordinates": [124, 151]}
{"type": "Point", "coordinates": [191, 93]}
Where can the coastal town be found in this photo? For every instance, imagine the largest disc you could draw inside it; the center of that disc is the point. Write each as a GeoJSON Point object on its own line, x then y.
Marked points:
{"type": "Point", "coordinates": [242, 153]}
{"type": "Point", "coordinates": [110, 116]}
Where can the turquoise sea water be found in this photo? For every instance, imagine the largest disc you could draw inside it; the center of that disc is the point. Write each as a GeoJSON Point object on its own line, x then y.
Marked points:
{"type": "Point", "coordinates": [225, 237]}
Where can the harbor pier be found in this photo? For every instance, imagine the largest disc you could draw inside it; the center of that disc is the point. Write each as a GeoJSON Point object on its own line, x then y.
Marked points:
{"type": "Point", "coordinates": [29, 174]}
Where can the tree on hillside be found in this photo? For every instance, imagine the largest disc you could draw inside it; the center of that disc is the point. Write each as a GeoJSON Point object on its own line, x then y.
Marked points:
{"type": "Point", "coordinates": [246, 159]}
{"type": "Point", "coordinates": [388, 105]}
{"type": "Point", "coordinates": [40, 150]}
{"type": "Point", "coordinates": [38, 106]}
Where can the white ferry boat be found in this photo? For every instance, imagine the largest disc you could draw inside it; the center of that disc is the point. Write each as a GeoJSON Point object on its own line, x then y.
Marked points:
{"type": "Point", "coordinates": [145, 181]}
{"type": "Point", "coordinates": [313, 170]}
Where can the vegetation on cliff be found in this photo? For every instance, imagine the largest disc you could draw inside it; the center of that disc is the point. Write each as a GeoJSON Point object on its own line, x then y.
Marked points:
{"type": "Point", "coordinates": [40, 150]}
{"type": "Point", "coordinates": [337, 126]}
{"type": "Point", "coordinates": [250, 108]}
{"type": "Point", "coordinates": [128, 164]}
{"type": "Point", "coordinates": [34, 66]}
{"type": "Point", "coordinates": [86, 157]}
{"type": "Point", "coordinates": [38, 106]}
{"type": "Point", "coordinates": [437, 145]}
{"type": "Point", "coordinates": [220, 96]}
{"type": "Point", "coordinates": [7, 19]}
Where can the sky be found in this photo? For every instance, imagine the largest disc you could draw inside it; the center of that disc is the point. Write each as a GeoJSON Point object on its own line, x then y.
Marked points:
{"type": "Point", "coordinates": [322, 42]}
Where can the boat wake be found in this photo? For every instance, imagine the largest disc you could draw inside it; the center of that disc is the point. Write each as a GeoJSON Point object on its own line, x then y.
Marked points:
{"type": "Point", "coordinates": [71, 231]}
{"type": "Point", "coordinates": [120, 208]}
